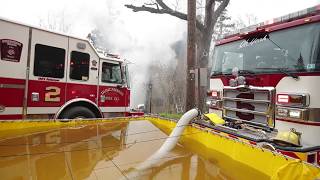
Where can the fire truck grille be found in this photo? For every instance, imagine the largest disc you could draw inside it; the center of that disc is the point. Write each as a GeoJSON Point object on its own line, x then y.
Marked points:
{"type": "Point", "coordinates": [250, 104]}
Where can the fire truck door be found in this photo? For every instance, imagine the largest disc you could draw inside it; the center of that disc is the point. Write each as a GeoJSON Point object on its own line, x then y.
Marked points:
{"type": "Point", "coordinates": [47, 76]}
{"type": "Point", "coordinates": [13, 63]}
{"type": "Point", "coordinates": [113, 95]}
{"type": "Point", "coordinates": [82, 78]}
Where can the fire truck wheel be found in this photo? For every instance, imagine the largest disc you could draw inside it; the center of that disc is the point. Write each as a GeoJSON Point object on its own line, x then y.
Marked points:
{"type": "Point", "coordinates": [77, 112]}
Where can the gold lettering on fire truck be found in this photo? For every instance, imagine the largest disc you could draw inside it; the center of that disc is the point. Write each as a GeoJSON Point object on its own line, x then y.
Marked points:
{"type": "Point", "coordinates": [111, 97]}
{"type": "Point", "coordinates": [52, 94]}
{"type": "Point", "coordinates": [115, 90]}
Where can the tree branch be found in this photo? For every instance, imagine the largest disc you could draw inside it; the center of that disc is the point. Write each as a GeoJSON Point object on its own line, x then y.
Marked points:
{"type": "Point", "coordinates": [220, 9]}
{"type": "Point", "coordinates": [165, 10]}
{"type": "Point", "coordinates": [150, 4]}
{"type": "Point", "coordinates": [209, 10]}
{"type": "Point", "coordinates": [144, 8]}
{"type": "Point", "coordinates": [210, 3]}
{"type": "Point", "coordinates": [162, 4]}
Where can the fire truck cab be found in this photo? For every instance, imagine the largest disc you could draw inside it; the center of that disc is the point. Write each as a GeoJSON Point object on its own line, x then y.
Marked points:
{"type": "Point", "coordinates": [265, 82]}
{"type": "Point", "coordinates": [45, 74]}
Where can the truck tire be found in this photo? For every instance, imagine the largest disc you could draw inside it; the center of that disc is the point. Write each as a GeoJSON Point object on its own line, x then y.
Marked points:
{"type": "Point", "coordinates": [77, 112]}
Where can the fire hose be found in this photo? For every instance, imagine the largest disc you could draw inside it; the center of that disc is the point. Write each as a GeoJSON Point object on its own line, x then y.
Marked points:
{"type": "Point", "coordinates": [169, 144]}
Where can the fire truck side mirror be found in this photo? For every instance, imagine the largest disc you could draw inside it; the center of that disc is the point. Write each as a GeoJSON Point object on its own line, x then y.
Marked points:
{"type": "Point", "coordinates": [123, 84]}
{"type": "Point", "coordinates": [125, 77]}
{"type": "Point", "coordinates": [141, 107]}
{"type": "Point", "coordinates": [120, 86]}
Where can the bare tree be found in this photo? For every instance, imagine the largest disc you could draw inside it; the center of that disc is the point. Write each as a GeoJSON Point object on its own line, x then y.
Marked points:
{"type": "Point", "coordinates": [55, 22]}
{"type": "Point", "coordinates": [223, 26]}
{"type": "Point", "coordinates": [205, 27]}
{"type": "Point", "coordinates": [246, 20]}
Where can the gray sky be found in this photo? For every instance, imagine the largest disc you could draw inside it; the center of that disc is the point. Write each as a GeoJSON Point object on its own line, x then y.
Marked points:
{"type": "Point", "coordinates": [80, 12]}
{"type": "Point", "coordinates": [140, 37]}
{"type": "Point", "coordinates": [268, 9]}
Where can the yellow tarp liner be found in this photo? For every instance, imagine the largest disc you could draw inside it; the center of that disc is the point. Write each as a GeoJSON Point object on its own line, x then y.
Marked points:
{"type": "Point", "coordinates": [238, 160]}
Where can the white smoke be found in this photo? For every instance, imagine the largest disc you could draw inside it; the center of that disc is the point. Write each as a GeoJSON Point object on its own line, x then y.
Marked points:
{"type": "Point", "coordinates": [142, 38]}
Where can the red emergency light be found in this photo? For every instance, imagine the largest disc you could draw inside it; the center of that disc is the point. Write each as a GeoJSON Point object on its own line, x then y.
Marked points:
{"type": "Point", "coordinates": [283, 98]}
{"type": "Point", "coordinates": [214, 94]}
{"type": "Point", "coordinates": [295, 100]}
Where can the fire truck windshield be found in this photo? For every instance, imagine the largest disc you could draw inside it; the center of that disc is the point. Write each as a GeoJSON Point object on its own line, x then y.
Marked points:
{"type": "Point", "coordinates": [294, 49]}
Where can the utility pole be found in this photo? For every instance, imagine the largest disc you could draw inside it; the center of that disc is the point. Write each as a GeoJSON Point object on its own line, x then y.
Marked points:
{"type": "Point", "coordinates": [191, 55]}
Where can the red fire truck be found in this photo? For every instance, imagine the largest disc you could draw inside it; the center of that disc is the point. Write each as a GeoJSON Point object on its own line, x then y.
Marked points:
{"type": "Point", "coordinates": [50, 75]}
{"type": "Point", "coordinates": [265, 84]}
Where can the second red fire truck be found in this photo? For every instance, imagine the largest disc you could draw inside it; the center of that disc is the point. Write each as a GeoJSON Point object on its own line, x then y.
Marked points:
{"type": "Point", "coordinates": [265, 84]}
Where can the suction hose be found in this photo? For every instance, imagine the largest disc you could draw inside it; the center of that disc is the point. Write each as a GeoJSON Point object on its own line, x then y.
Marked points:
{"type": "Point", "coordinates": [170, 143]}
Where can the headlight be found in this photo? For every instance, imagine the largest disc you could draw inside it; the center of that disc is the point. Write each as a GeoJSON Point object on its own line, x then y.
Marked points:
{"type": "Point", "coordinates": [211, 102]}
{"type": "Point", "coordinates": [214, 103]}
{"type": "Point", "coordinates": [295, 114]}
{"type": "Point", "coordinates": [292, 113]}
{"type": "Point", "coordinates": [282, 112]}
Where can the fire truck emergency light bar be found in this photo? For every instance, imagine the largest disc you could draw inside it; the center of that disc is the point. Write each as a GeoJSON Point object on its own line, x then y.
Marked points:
{"type": "Point", "coordinates": [286, 18]}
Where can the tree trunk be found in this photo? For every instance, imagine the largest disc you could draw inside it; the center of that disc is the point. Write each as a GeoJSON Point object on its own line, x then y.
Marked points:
{"type": "Point", "coordinates": [203, 51]}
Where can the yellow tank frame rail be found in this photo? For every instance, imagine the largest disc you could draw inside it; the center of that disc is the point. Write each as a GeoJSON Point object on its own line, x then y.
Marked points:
{"type": "Point", "coordinates": [10, 128]}
{"type": "Point", "coordinates": [234, 156]}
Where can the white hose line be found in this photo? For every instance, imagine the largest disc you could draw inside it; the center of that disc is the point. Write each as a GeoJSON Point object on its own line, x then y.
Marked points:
{"type": "Point", "coordinates": [169, 144]}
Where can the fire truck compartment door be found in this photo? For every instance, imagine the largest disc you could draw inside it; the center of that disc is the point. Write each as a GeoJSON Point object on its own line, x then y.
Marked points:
{"type": "Point", "coordinates": [82, 74]}
{"type": "Point", "coordinates": [13, 62]}
{"type": "Point", "coordinates": [47, 76]}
